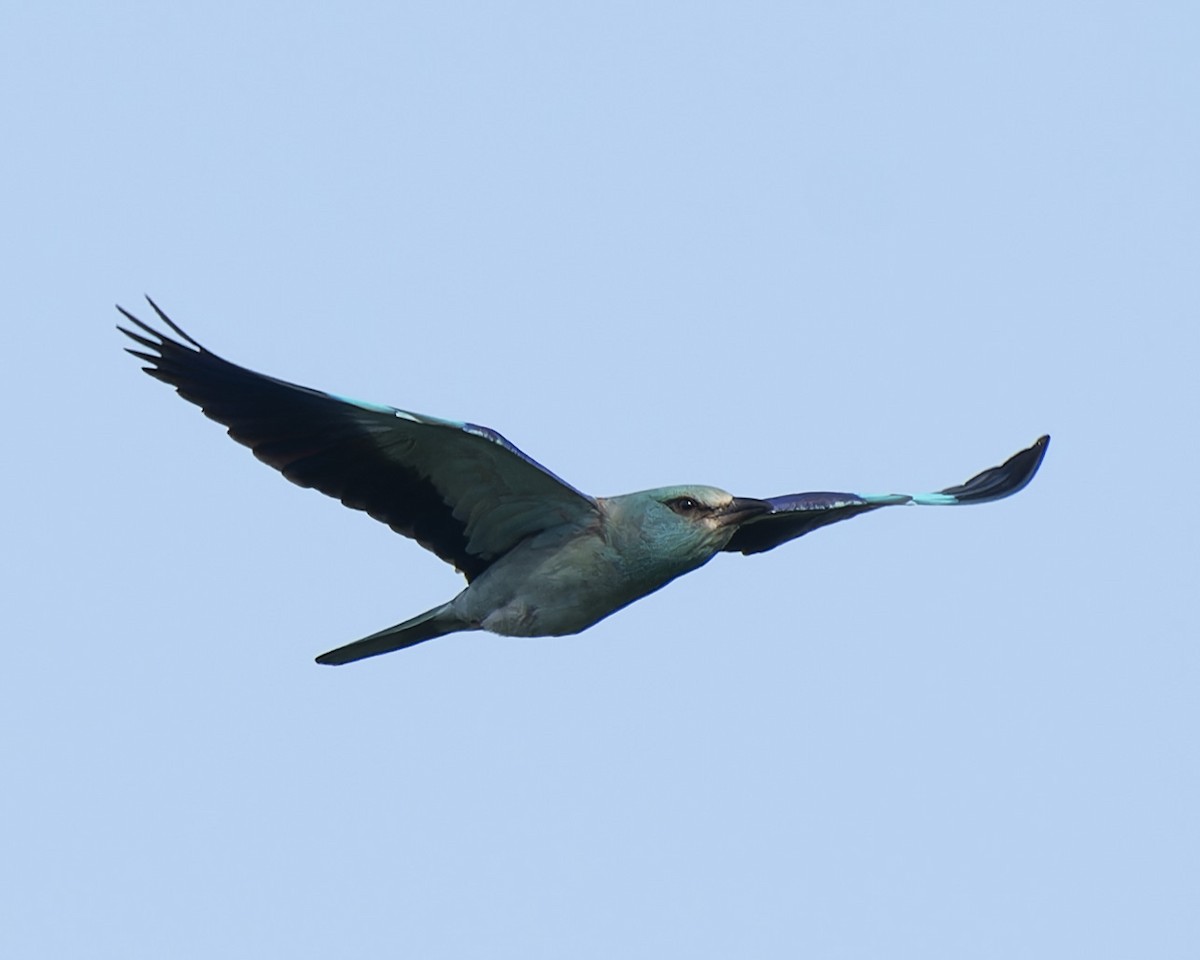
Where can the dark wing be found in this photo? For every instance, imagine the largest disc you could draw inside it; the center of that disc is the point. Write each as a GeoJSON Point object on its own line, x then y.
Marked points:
{"type": "Point", "coordinates": [458, 489]}
{"type": "Point", "coordinates": [796, 514]}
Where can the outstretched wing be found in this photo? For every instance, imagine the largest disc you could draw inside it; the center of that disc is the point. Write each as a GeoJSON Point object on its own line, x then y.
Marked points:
{"type": "Point", "coordinates": [796, 514]}
{"type": "Point", "coordinates": [458, 489]}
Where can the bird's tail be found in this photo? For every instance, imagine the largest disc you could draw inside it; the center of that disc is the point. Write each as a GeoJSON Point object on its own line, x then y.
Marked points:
{"type": "Point", "coordinates": [432, 623]}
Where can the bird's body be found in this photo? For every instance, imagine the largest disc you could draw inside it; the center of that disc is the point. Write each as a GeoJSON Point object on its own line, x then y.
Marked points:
{"type": "Point", "coordinates": [540, 557]}
{"type": "Point", "coordinates": [552, 584]}
{"type": "Point", "coordinates": [565, 579]}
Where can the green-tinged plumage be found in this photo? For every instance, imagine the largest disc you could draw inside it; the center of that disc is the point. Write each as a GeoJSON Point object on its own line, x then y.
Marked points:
{"type": "Point", "coordinates": [540, 557]}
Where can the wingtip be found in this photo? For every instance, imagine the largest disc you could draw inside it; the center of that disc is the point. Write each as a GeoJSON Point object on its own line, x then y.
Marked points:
{"type": "Point", "coordinates": [171, 323]}
{"type": "Point", "coordinates": [1039, 448]}
{"type": "Point", "coordinates": [1010, 477]}
{"type": "Point", "coordinates": [126, 314]}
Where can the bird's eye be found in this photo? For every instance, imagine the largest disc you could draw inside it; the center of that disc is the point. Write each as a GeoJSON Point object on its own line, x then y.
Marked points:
{"type": "Point", "coordinates": [683, 505]}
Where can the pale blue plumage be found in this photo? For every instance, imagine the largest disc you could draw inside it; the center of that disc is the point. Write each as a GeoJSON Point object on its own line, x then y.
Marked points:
{"type": "Point", "coordinates": [540, 557]}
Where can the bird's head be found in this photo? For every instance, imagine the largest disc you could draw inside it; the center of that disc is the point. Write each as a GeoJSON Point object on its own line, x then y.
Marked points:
{"type": "Point", "coordinates": [684, 526]}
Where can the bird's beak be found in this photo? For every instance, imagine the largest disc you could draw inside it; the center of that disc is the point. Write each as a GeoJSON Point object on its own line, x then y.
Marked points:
{"type": "Point", "coordinates": [742, 510]}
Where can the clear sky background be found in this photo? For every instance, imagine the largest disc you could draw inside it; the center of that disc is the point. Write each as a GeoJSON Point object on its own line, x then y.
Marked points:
{"type": "Point", "coordinates": [767, 246]}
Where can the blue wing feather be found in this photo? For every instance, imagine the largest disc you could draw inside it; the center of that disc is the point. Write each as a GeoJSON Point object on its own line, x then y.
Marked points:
{"type": "Point", "coordinates": [460, 490]}
{"type": "Point", "coordinates": [796, 514]}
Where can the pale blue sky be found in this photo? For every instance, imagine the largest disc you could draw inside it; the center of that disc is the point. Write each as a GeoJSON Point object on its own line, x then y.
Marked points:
{"type": "Point", "coordinates": [767, 246]}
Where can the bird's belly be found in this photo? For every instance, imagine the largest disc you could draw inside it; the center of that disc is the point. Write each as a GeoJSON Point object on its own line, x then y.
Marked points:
{"type": "Point", "coordinates": [554, 609]}
{"type": "Point", "coordinates": [520, 619]}
{"type": "Point", "coordinates": [554, 594]}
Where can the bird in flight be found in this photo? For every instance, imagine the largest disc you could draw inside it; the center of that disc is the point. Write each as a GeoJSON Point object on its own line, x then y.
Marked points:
{"type": "Point", "coordinates": [540, 557]}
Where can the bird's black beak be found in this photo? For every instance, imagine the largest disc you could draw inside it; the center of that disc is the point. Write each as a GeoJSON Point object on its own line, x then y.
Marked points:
{"type": "Point", "coordinates": [742, 510]}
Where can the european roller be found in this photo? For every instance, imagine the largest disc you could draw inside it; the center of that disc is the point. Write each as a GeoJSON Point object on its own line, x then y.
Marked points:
{"type": "Point", "coordinates": [540, 557]}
